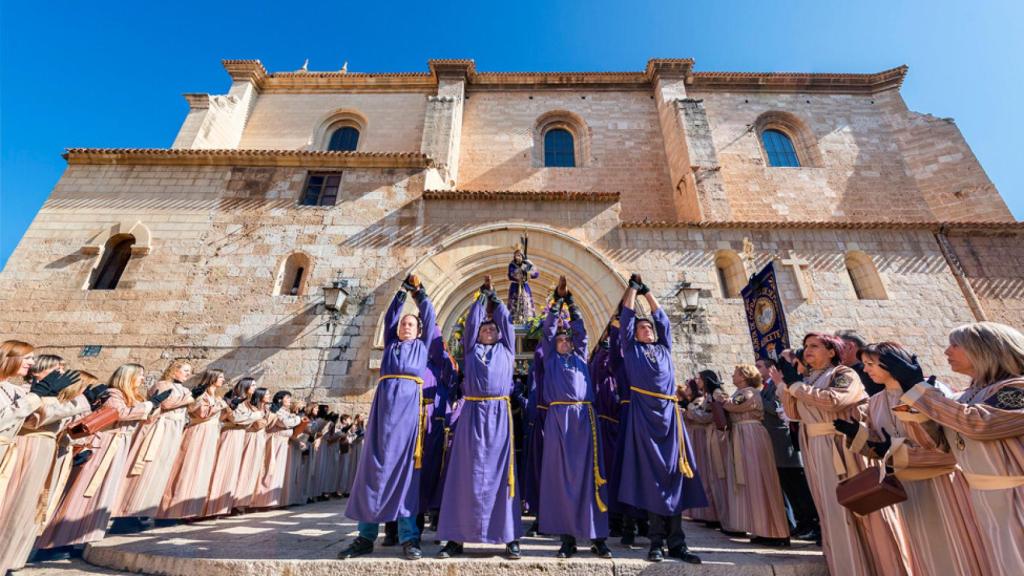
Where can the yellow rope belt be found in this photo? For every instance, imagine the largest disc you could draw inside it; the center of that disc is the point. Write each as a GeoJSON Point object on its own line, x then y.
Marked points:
{"type": "Point", "coordinates": [421, 428]}
{"type": "Point", "coordinates": [684, 464]}
{"type": "Point", "coordinates": [623, 401]}
{"type": "Point", "coordinates": [598, 480]}
{"type": "Point", "coordinates": [511, 432]}
{"type": "Point", "coordinates": [542, 406]}
{"type": "Point", "coordinates": [608, 418]}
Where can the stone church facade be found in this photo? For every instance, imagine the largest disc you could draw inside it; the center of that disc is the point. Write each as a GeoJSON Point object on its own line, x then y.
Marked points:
{"type": "Point", "coordinates": [878, 218]}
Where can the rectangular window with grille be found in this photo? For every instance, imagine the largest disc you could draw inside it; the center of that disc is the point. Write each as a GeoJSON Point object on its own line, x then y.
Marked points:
{"type": "Point", "coordinates": [321, 189]}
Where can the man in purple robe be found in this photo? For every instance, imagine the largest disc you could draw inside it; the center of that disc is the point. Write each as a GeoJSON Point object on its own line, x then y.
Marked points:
{"type": "Point", "coordinates": [571, 501]}
{"type": "Point", "coordinates": [387, 481]}
{"type": "Point", "coordinates": [439, 373]}
{"type": "Point", "coordinates": [606, 404]}
{"type": "Point", "coordinates": [536, 410]}
{"type": "Point", "coordinates": [658, 474]}
{"type": "Point", "coordinates": [480, 501]}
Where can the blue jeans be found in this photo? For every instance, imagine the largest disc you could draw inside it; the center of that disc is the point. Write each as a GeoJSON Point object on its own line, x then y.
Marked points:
{"type": "Point", "coordinates": [407, 529]}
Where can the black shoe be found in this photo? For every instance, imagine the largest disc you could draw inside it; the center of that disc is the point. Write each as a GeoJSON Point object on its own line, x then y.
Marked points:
{"type": "Point", "coordinates": [533, 530]}
{"type": "Point", "coordinates": [733, 533]}
{"type": "Point", "coordinates": [628, 540]}
{"type": "Point", "coordinates": [810, 535]}
{"type": "Point", "coordinates": [567, 550]}
{"type": "Point", "coordinates": [655, 554]}
{"type": "Point", "coordinates": [359, 547]}
{"type": "Point", "coordinates": [512, 551]}
{"type": "Point", "coordinates": [390, 540]}
{"type": "Point", "coordinates": [411, 550]}
{"type": "Point", "coordinates": [452, 548]}
{"type": "Point", "coordinates": [714, 525]}
{"type": "Point", "coordinates": [600, 549]}
{"type": "Point", "coordinates": [683, 553]}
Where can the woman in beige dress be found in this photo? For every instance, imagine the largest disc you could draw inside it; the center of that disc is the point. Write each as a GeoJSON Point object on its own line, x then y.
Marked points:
{"type": "Point", "coordinates": [16, 359]}
{"type": "Point", "coordinates": [295, 479]}
{"type": "Point", "coordinates": [270, 489]}
{"type": "Point", "coordinates": [156, 446]}
{"type": "Point", "coordinates": [854, 545]}
{"type": "Point", "coordinates": [189, 484]}
{"type": "Point", "coordinates": [84, 511]}
{"type": "Point", "coordinates": [254, 450]}
{"type": "Point", "coordinates": [238, 416]}
{"type": "Point", "coordinates": [984, 427]}
{"type": "Point", "coordinates": [26, 499]}
{"type": "Point", "coordinates": [754, 482]}
{"type": "Point", "coordinates": [941, 530]}
{"type": "Point", "coordinates": [698, 425]}
{"type": "Point", "coordinates": [719, 453]}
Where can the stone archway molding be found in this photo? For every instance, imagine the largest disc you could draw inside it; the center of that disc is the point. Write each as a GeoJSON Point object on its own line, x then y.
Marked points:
{"type": "Point", "coordinates": [454, 269]}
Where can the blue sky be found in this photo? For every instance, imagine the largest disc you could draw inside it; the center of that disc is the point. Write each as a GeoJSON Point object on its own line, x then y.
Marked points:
{"type": "Point", "coordinates": [104, 74]}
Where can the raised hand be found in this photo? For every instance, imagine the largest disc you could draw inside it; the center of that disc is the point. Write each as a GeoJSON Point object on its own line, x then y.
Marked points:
{"type": "Point", "coordinates": [908, 374]}
{"type": "Point", "coordinates": [411, 283]}
{"type": "Point", "coordinates": [881, 448]}
{"type": "Point", "coordinates": [635, 281]}
{"type": "Point", "coordinates": [789, 373]}
{"type": "Point", "coordinates": [486, 286]}
{"type": "Point", "coordinates": [847, 428]}
{"type": "Point", "coordinates": [97, 394]}
{"type": "Point", "coordinates": [158, 398]}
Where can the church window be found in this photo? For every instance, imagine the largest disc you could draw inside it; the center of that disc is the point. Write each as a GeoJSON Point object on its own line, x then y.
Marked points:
{"type": "Point", "coordinates": [779, 149]}
{"type": "Point", "coordinates": [867, 283]}
{"type": "Point", "coordinates": [732, 274]}
{"type": "Point", "coordinates": [116, 253]}
{"type": "Point", "coordinates": [344, 139]}
{"type": "Point", "coordinates": [559, 148]}
{"type": "Point", "coordinates": [321, 189]}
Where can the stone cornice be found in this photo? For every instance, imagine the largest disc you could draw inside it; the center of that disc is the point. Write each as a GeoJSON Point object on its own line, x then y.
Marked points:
{"type": "Point", "coordinates": [534, 195]}
{"type": "Point", "coordinates": [933, 226]}
{"type": "Point", "coordinates": [800, 82]}
{"type": "Point", "coordinates": [253, 70]}
{"type": "Point", "coordinates": [296, 158]}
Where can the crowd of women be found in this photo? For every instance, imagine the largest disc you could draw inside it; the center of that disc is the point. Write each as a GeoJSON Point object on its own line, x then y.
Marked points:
{"type": "Point", "coordinates": [76, 453]}
{"type": "Point", "coordinates": [613, 447]}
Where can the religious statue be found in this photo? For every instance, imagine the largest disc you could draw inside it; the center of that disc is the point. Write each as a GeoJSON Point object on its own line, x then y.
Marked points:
{"type": "Point", "coordinates": [520, 271]}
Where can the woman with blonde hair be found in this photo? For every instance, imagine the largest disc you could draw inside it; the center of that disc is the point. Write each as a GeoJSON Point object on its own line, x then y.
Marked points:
{"type": "Point", "coordinates": [26, 498]}
{"type": "Point", "coordinates": [236, 418]}
{"type": "Point", "coordinates": [943, 535]}
{"type": "Point", "coordinates": [756, 493]}
{"type": "Point", "coordinates": [83, 514]}
{"type": "Point", "coordinates": [984, 427]}
{"type": "Point", "coordinates": [189, 484]}
{"type": "Point", "coordinates": [156, 446]}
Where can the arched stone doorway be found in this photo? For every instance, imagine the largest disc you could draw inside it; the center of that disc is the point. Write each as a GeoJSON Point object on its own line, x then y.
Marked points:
{"type": "Point", "coordinates": [453, 270]}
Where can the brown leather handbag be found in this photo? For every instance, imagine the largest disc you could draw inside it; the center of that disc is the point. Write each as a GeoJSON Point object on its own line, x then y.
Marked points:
{"type": "Point", "coordinates": [97, 421]}
{"type": "Point", "coordinates": [870, 491]}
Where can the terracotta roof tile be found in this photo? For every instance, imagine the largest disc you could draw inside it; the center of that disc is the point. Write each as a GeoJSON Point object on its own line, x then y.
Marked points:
{"type": "Point", "coordinates": [492, 195]}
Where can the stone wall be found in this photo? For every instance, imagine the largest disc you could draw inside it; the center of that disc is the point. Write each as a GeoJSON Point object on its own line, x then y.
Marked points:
{"type": "Point", "coordinates": [994, 265]}
{"type": "Point", "coordinates": [394, 121]}
{"type": "Point", "coordinates": [220, 235]}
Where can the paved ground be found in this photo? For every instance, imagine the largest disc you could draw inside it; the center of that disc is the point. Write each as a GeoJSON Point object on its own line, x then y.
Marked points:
{"type": "Point", "coordinates": [304, 541]}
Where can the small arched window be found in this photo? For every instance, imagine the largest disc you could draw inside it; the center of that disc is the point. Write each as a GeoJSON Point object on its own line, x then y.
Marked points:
{"type": "Point", "coordinates": [292, 277]}
{"type": "Point", "coordinates": [116, 253]}
{"type": "Point", "coordinates": [867, 283]}
{"type": "Point", "coordinates": [778, 146]}
{"type": "Point", "coordinates": [732, 274]}
{"type": "Point", "coordinates": [344, 139]}
{"type": "Point", "coordinates": [559, 149]}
